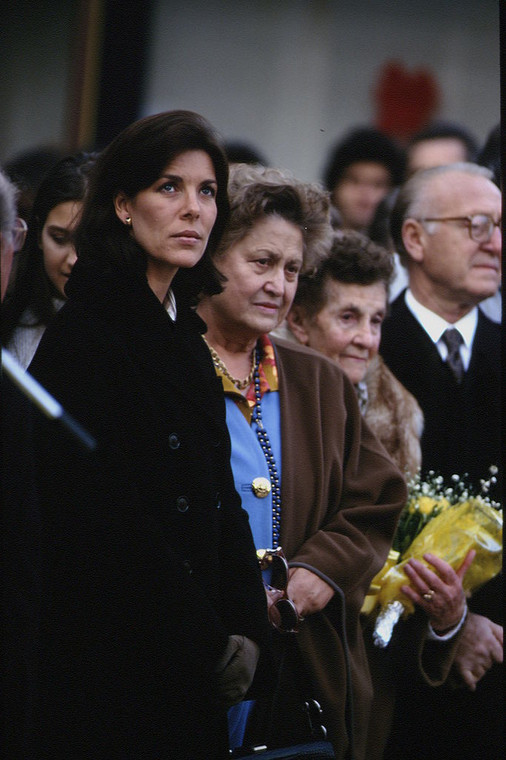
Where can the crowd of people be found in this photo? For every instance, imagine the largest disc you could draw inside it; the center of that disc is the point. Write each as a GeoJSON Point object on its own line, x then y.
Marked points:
{"type": "Point", "coordinates": [265, 364]}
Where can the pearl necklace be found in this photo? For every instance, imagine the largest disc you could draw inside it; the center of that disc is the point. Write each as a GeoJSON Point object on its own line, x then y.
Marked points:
{"type": "Point", "coordinates": [265, 445]}
{"type": "Point", "coordinates": [220, 364]}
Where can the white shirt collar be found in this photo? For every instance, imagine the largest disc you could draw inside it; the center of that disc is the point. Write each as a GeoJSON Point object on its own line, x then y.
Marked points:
{"type": "Point", "coordinates": [170, 304]}
{"type": "Point", "coordinates": [435, 325]}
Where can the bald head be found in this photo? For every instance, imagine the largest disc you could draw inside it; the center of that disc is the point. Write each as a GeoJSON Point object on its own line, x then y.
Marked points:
{"type": "Point", "coordinates": [423, 194]}
{"type": "Point", "coordinates": [446, 226]}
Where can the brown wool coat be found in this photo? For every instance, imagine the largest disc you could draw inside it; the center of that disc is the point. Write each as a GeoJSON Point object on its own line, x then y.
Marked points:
{"type": "Point", "coordinates": [341, 497]}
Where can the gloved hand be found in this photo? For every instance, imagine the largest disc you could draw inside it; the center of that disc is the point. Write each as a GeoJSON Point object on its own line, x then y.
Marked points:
{"type": "Point", "coordinates": [236, 669]}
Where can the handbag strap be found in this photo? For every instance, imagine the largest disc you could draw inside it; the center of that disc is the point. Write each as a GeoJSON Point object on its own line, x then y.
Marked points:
{"type": "Point", "coordinates": [341, 630]}
{"type": "Point", "coordinates": [349, 714]}
{"type": "Point", "coordinates": [292, 705]}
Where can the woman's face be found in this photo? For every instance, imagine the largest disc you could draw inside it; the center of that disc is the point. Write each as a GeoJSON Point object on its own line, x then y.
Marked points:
{"type": "Point", "coordinates": [172, 219]}
{"type": "Point", "coordinates": [262, 270]}
{"type": "Point", "coordinates": [348, 328]}
{"type": "Point", "coordinates": [56, 242]}
{"type": "Point", "coordinates": [359, 191]}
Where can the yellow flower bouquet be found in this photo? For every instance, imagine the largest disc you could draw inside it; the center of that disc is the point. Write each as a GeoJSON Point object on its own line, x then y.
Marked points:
{"type": "Point", "coordinates": [447, 523]}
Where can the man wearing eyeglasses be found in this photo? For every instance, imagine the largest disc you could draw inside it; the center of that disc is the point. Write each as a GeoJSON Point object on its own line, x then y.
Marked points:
{"type": "Point", "coordinates": [20, 520]}
{"type": "Point", "coordinates": [446, 227]}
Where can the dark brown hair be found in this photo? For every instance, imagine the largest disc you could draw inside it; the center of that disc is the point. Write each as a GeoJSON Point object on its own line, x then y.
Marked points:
{"type": "Point", "coordinates": [132, 162]}
{"type": "Point", "coordinates": [32, 288]}
{"type": "Point", "coordinates": [353, 259]}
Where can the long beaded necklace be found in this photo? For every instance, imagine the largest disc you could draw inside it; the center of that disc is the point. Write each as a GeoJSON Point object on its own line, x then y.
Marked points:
{"type": "Point", "coordinates": [265, 445]}
{"type": "Point", "coordinates": [220, 364]}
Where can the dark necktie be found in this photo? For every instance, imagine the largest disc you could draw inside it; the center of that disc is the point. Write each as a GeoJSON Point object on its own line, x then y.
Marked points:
{"type": "Point", "coordinates": [453, 340]}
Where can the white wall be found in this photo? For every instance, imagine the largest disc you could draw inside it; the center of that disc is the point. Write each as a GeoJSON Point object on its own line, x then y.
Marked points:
{"type": "Point", "coordinates": [290, 76]}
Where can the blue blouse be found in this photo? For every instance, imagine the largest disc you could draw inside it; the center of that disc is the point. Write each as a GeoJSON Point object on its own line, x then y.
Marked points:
{"type": "Point", "coordinates": [248, 462]}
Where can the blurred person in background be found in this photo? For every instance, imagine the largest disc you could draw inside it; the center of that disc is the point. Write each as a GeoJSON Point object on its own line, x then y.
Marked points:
{"type": "Point", "coordinates": [361, 169]}
{"type": "Point", "coordinates": [44, 264]}
{"type": "Point", "coordinates": [490, 157]}
{"type": "Point", "coordinates": [490, 154]}
{"type": "Point", "coordinates": [240, 152]}
{"type": "Point", "coordinates": [27, 169]}
{"type": "Point", "coordinates": [442, 142]}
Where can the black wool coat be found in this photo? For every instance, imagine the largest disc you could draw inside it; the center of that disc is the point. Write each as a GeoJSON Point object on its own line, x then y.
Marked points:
{"type": "Point", "coordinates": [147, 556]}
{"type": "Point", "coordinates": [462, 431]}
{"type": "Point", "coordinates": [20, 579]}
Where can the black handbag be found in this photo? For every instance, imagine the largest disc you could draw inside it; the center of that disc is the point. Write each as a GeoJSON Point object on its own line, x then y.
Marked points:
{"type": "Point", "coordinates": [316, 749]}
{"type": "Point", "coordinates": [304, 713]}
{"type": "Point", "coordinates": [305, 736]}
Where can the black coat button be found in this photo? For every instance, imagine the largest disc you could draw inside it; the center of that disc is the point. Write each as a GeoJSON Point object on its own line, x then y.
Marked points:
{"type": "Point", "coordinates": [174, 441]}
{"type": "Point", "coordinates": [182, 504]}
{"type": "Point", "coordinates": [187, 566]}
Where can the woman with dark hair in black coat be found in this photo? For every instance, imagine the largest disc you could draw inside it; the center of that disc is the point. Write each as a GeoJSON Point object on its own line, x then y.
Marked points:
{"type": "Point", "coordinates": [36, 290]}
{"type": "Point", "coordinates": [152, 603]}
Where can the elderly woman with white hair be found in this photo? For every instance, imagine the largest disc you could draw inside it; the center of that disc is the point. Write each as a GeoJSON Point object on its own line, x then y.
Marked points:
{"type": "Point", "coordinates": [339, 309]}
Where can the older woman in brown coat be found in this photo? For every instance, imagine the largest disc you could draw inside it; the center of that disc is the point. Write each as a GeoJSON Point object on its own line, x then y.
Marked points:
{"type": "Point", "coordinates": [338, 310]}
{"type": "Point", "coordinates": [312, 476]}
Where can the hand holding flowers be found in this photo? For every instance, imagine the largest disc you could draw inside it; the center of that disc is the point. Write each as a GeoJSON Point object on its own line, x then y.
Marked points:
{"type": "Point", "coordinates": [448, 600]}
{"type": "Point", "coordinates": [440, 533]}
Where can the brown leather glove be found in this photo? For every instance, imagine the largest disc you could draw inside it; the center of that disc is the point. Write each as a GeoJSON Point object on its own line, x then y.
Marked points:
{"type": "Point", "coordinates": [236, 669]}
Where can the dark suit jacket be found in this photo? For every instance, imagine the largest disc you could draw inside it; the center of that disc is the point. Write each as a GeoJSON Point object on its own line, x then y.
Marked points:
{"type": "Point", "coordinates": [461, 434]}
{"type": "Point", "coordinates": [462, 422]}
{"type": "Point", "coordinates": [148, 558]}
{"type": "Point", "coordinates": [20, 576]}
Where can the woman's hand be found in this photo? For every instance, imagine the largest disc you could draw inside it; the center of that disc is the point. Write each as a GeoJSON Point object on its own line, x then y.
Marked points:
{"type": "Point", "coordinates": [308, 592]}
{"type": "Point", "coordinates": [438, 592]}
{"type": "Point", "coordinates": [480, 645]}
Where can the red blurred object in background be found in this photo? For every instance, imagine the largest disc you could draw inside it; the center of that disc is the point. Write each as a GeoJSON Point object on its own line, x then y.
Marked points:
{"type": "Point", "coordinates": [405, 101]}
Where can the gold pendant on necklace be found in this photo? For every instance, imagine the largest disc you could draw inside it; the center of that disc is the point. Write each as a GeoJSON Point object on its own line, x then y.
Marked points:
{"type": "Point", "coordinates": [261, 487]}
